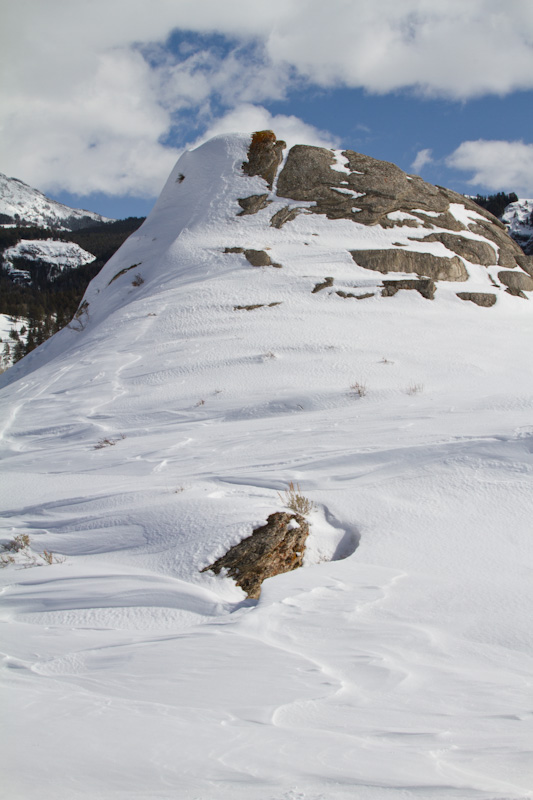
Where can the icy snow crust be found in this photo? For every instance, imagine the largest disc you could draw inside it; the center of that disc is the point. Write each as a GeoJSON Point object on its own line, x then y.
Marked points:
{"type": "Point", "coordinates": [399, 669]}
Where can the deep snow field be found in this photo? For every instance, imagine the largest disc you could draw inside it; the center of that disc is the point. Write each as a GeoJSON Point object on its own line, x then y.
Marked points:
{"type": "Point", "coordinates": [397, 664]}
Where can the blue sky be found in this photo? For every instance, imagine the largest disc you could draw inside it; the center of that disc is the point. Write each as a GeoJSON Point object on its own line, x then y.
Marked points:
{"type": "Point", "coordinates": [101, 98]}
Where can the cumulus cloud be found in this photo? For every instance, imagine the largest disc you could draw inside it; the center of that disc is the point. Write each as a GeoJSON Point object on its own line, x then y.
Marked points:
{"type": "Point", "coordinates": [93, 94]}
{"type": "Point", "coordinates": [497, 165]}
{"type": "Point", "coordinates": [423, 157]}
{"type": "Point", "coordinates": [247, 117]}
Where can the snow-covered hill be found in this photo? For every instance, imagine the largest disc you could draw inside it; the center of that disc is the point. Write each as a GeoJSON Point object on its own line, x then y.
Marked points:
{"type": "Point", "coordinates": [164, 424]}
{"type": "Point", "coordinates": [22, 205]}
{"type": "Point", "coordinates": [518, 218]}
{"type": "Point", "coordinates": [55, 256]}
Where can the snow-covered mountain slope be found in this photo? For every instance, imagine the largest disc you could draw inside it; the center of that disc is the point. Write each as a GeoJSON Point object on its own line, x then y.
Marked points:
{"type": "Point", "coordinates": [160, 428]}
{"type": "Point", "coordinates": [7, 342]}
{"type": "Point", "coordinates": [56, 256]}
{"type": "Point", "coordinates": [23, 205]}
{"type": "Point", "coordinates": [518, 218]}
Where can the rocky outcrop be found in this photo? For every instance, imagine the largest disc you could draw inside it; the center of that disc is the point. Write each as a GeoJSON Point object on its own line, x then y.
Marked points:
{"type": "Point", "coordinates": [284, 215]}
{"type": "Point", "coordinates": [483, 299]}
{"type": "Point", "coordinates": [272, 549]}
{"type": "Point", "coordinates": [264, 156]}
{"type": "Point", "coordinates": [423, 264]}
{"type": "Point", "coordinates": [257, 258]}
{"type": "Point", "coordinates": [362, 189]}
{"type": "Point", "coordinates": [325, 284]}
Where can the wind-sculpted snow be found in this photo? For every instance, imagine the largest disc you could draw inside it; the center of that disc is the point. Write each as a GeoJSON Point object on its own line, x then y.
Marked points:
{"type": "Point", "coordinates": [161, 428]}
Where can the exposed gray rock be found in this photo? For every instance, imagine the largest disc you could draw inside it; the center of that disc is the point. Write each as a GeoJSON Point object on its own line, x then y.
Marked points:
{"type": "Point", "coordinates": [472, 250]}
{"type": "Point", "coordinates": [256, 305]}
{"type": "Point", "coordinates": [379, 187]}
{"type": "Point", "coordinates": [346, 295]}
{"type": "Point", "coordinates": [264, 156]}
{"type": "Point", "coordinates": [234, 249]}
{"type": "Point", "coordinates": [509, 250]}
{"type": "Point", "coordinates": [516, 282]}
{"type": "Point", "coordinates": [423, 286]}
{"type": "Point", "coordinates": [484, 299]}
{"type": "Point", "coordinates": [326, 283]}
{"type": "Point", "coordinates": [259, 258]}
{"type": "Point", "coordinates": [423, 264]}
{"type": "Point", "coordinates": [526, 262]}
{"type": "Point", "coordinates": [272, 549]}
{"type": "Point", "coordinates": [253, 204]}
{"type": "Point", "coordinates": [284, 215]}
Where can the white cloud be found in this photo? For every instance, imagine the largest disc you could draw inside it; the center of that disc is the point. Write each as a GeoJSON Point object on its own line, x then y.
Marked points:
{"type": "Point", "coordinates": [423, 157]}
{"type": "Point", "coordinates": [91, 91]}
{"type": "Point", "coordinates": [247, 117]}
{"type": "Point", "coordinates": [497, 165]}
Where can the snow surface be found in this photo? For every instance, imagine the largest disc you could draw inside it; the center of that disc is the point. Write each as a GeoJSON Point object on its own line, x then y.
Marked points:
{"type": "Point", "coordinates": [31, 207]}
{"type": "Point", "coordinates": [396, 664]}
{"type": "Point", "coordinates": [56, 254]}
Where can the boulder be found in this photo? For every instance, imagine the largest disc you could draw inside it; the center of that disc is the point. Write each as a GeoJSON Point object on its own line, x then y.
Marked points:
{"type": "Point", "coordinates": [259, 258]}
{"type": "Point", "coordinates": [272, 549]}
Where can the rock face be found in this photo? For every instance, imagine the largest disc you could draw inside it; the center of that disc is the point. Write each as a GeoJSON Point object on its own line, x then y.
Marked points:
{"type": "Point", "coordinates": [273, 548]}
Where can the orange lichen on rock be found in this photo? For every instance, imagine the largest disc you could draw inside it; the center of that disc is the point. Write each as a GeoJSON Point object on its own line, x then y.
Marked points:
{"type": "Point", "coordinates": [264, 156]}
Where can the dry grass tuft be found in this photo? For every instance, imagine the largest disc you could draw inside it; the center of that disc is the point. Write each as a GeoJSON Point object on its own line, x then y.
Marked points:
{"type": "Point", "coordinates": [414, 388]}
{"type": "Point", "coordinates": [294, 499]}
{"type": "Point", "coordinates": [359, 388]}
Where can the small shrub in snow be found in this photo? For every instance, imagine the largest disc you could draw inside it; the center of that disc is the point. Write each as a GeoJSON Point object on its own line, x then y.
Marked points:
{"type": "Point", "coordinates": [294, 499]}
{"type": "Point", "coordinates": [359, 388]}
{"type": "Point", "coordinates": [17, 551]}
{"type": "Point", "coordinates": [17, 543]}
{"type": "Point", "coordinates": [138, 280]}
{"type": "Point", "coordinates": [81, 318]}
{"type": "Point", "coordinates": [106, 442]}
{"type": "Point", "coordinates": [415, 388]}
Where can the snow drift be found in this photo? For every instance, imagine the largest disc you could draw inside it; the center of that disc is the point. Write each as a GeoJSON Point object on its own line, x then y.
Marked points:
{"type": "Point", "coordinates": [159, 429]}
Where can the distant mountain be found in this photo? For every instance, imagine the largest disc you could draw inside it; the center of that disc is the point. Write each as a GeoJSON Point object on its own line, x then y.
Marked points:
{"type": "Point", "coordinates": [518, 218]}
{"type": "Point", "coordinates": [54, 256]}
{"type": "Point", "coordinates": [20, 204]}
